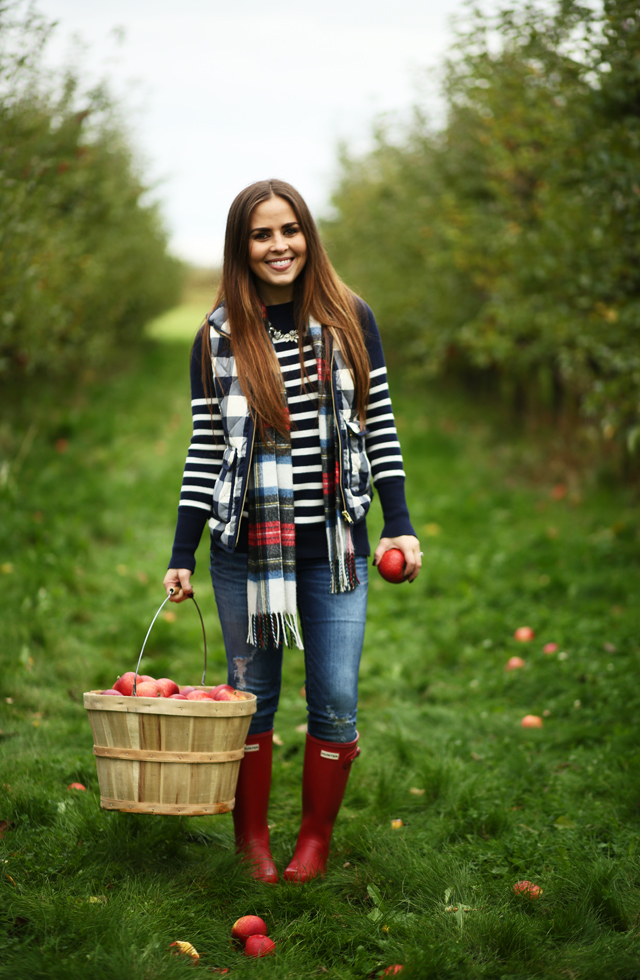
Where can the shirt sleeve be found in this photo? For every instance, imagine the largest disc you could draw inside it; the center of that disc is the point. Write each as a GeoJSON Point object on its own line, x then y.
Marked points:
{"type": "Point", "coordinates": [383, 447]}
{"type": "Point", "coordinates": [202, 467]}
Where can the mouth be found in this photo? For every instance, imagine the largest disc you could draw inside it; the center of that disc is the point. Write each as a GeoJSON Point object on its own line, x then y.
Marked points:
{"type": "Point", "coordinates": [280, 265]}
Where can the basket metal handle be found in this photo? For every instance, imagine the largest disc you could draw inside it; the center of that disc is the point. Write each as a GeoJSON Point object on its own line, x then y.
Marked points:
{"type": "Point", "coordinates": [204, 639]}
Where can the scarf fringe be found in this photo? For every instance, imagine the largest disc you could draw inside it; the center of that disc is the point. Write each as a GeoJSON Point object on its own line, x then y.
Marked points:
{"type": "Point", "coordinates": [275, 627]}
{"type": "Point", "coordinates": [342, 558]}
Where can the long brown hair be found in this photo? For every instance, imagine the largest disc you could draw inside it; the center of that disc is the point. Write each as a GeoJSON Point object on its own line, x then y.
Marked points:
{"type": "Point", "coordinates": [318, 292]}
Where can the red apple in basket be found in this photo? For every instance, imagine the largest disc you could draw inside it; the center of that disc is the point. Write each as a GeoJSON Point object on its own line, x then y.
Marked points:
{"type": "Point", "coordinates": [220, 687]}
{"type": "Point", "coordinates": [248, 925]}
{"type": "Point", "coordinates": [111, 692]}
{"type": "Point", "coordinates": [178, 697]}
{"type": "Point", "coordinates": [167, 687]}
{"type": "Point", "coordinates": [147, 689]}
{"type": "Point", "coordinates": [391, 566]}
{"type": "Point", "coordinates": [124, 684]}
{"type": "Point", "coordinates": [226, 694]}
{"type": "Point", "coordinates": [187, 689]}
{"type": "Point", "coordinates": [259, 946]}
{"type": "Point", "coordinates": [146, 677]}
{"type": "Point", "coordinates": [198, 696]}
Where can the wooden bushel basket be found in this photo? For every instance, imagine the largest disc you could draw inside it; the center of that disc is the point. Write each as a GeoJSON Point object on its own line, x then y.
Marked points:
{"type": "Point", "coordinates": [155, 755]}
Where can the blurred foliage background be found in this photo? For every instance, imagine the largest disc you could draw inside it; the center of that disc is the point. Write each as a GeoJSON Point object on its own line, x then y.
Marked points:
{"type": "Point", "coordinates": [503, 248]}
{"type": "Point", "coordinates": [83, 252]}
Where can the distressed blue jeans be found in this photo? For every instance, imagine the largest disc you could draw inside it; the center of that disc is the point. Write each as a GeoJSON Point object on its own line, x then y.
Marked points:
{"type": "Point", "coordinates": [333, 634]}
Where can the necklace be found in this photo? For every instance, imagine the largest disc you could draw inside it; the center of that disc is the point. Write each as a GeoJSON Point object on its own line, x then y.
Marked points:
{"type": "Point", "coordinates": [279, 335]}
{"type": "Point", "coordinates": [274, 333]}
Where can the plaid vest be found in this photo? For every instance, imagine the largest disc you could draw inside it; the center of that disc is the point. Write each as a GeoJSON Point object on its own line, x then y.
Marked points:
{"type": "Point", "coordinates": [230, 489]}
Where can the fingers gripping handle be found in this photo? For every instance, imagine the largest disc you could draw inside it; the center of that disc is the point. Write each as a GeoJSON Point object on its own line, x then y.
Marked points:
{"type": "Point", "coordinates": [204, 639]}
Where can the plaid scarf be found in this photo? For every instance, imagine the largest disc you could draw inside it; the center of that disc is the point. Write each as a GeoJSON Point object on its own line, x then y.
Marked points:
{"type": "Point", "coordinates": [342, 559]}
{"type": "Point", "coordinates": [271, 579]}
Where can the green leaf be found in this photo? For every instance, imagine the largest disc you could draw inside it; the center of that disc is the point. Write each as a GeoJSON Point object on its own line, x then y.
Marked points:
{"type": "Point", "coordinates": [564, 823]}
{"type": "Point", "coordinates": [374, 894]}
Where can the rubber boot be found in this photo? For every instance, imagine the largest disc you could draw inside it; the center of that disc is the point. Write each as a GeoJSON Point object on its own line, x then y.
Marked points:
{"type": "Point", "coordinates": [324, 780]}
{"type": "Point", "coordinates": [252, 802]}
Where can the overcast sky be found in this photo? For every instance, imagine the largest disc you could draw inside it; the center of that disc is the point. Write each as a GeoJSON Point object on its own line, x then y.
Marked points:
{"type": "Point", "coordinates": [221, 94]}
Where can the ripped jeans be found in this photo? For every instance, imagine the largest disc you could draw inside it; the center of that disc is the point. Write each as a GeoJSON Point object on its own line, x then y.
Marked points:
{"type": "Point", "coordinates": [333, 633]}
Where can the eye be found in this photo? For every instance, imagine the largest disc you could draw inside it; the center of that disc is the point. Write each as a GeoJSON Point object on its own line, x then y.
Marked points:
{"type": "Point", "coordinates": [260, 235]}
{"type": "Point", "coordinates": [292, 231]}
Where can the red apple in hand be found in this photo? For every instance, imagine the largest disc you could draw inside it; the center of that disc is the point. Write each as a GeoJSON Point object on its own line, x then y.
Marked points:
{"type": "Point", "coordinates": [259, 946]}
{"type": "Point", "coordinates": [167, 687]}
{"type": "Point", "coordinates": [391, 566]}
{"type": "Point", "coordinates": [248, 925]}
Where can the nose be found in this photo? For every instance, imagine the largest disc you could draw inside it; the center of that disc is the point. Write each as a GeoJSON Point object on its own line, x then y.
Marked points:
{"type": "Point", "coordinates": [279, 242]}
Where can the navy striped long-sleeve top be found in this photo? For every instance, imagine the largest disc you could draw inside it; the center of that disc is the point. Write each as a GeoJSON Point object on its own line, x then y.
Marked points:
{"type": "Point", "coordinates": [207, 446]}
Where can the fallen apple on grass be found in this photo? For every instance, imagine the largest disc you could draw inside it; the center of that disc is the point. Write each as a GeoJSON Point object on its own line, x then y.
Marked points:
{"type": "Point", "coordinates": [248, 925]}
{"type": "Point", "coordinates": [186, 949]}
{"type": "Point", "coordinates": [550, 648]}
{"type": "Point", "coordinates": [532, 721]}
{"type": "Point", "coordinates": [527, 889]}
{"type": "Point", "coordinates": [76, 786]}
{"type": "Point", "coordinates": [391, 971]}
{"type": "Point", "coordinates": [259, 946]}
{"type": "Point", "coordinates": [524, 634]}
{"type": "Point", "coordinates": [391, 566]}
{"type": "Point", "coordinates": [514, 663]}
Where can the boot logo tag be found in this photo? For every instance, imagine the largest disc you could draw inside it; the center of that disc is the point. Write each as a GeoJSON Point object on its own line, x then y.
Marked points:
{"type": "Point", "coordinates": [252, 748]}
{"type": "Point", "coordinates": [329, 755]}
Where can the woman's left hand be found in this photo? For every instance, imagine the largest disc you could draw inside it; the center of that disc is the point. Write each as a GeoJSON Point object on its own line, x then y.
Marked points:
{"type": "Point", "coordinates": [410, 548]}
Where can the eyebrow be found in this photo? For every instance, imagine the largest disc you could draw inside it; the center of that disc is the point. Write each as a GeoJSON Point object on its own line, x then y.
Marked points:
{"type": "Point", "coordinates": [287, 224]}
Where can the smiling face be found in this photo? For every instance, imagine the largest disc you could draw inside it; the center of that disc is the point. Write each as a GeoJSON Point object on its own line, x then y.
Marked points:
{"type": "Point", "coordinates": [277, 250]}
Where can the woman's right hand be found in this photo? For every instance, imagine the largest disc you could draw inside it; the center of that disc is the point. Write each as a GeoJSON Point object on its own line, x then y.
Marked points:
{"type": "Point", "coordinates": [178, 579]}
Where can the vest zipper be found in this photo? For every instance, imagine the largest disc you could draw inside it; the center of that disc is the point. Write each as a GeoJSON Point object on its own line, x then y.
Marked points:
{"type": "Point", "coordinates": [246, 486]}
{"type": "Point", "coordinates": [345, 513]}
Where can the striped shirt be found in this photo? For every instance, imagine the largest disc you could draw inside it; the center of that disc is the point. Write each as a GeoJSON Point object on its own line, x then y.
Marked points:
{"type": "Point", "coordinates": [207, 446]}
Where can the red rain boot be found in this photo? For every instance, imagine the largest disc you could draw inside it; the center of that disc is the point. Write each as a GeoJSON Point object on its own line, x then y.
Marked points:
{"type": "Point", "coordinates": [252, 801]}
{"type": "Point", "coordinates": [324, 780]}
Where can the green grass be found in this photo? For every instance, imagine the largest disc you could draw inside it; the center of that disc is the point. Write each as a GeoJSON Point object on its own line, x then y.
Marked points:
{"type": "Point", "coordinates": [84, 542]}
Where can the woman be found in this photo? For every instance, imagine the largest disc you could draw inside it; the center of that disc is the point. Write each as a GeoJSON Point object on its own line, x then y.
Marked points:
{"type": "Point", "coordinates": [291, 424]}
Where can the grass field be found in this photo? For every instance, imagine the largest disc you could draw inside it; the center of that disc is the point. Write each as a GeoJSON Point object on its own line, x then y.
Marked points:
{"type": "Point", "coordinates": [512, 536]}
